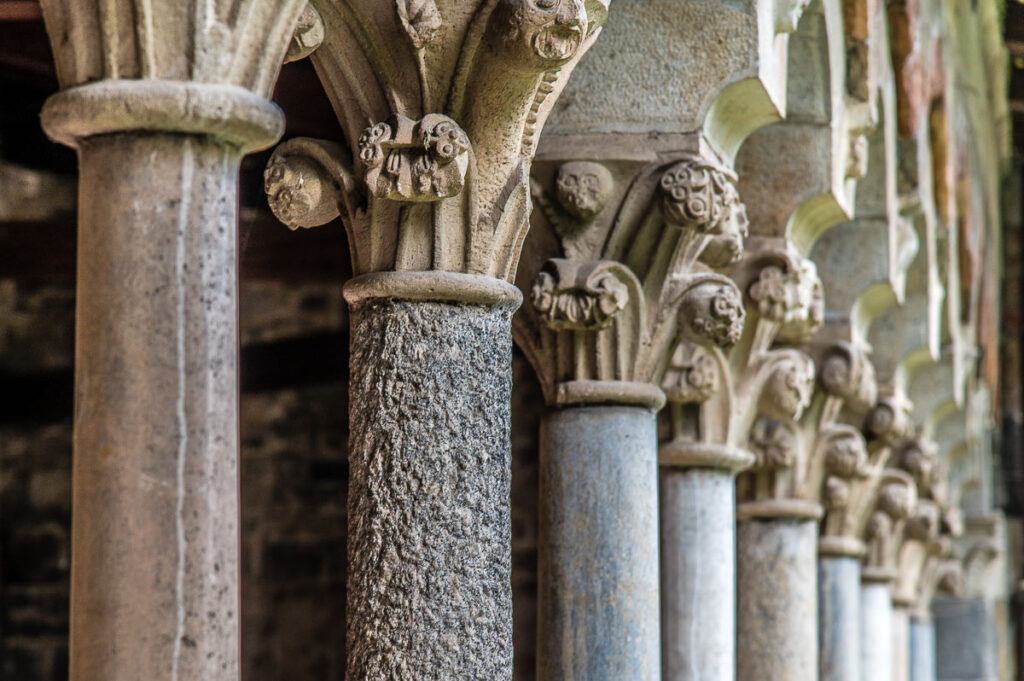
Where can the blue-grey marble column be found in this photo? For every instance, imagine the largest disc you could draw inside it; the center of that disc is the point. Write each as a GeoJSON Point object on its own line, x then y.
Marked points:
{"type": "Point", "coordinates": [698, 561]}
{"type": "Point", "coordinates": [966, 642]}
{"type": "Point", "coordinates": [876, 636]}
{"type": "Point", "coordinates": [598, 617]}
{"type": "Point", "coordinates": [922, 650]}
{"type": "Point", "coordinates": [839, 617]}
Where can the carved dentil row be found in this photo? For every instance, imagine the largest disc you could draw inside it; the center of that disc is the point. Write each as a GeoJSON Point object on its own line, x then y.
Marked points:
{"type": "Point", "coordinates": [455, 99]}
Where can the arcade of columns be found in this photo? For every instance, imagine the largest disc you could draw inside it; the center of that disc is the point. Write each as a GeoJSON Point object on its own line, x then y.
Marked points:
{"type": "Point", "coordinates": [749, 246]}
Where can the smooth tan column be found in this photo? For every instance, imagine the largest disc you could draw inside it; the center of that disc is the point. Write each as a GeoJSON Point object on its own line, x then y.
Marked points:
{"type": "Point", "coordinates": [154, 575]}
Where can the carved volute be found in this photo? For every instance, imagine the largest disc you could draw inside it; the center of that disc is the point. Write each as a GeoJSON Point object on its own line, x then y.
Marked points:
{"type": "Point", "coordinates": [440, 105]}
{"type": "Point", "coordinates": [613, 276]}
{"type": "Point", "coordinates": [895, 501]}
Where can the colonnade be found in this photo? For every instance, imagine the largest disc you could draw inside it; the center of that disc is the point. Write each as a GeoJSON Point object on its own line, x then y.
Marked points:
{"type": "Point", "coordinates": [747, 247]}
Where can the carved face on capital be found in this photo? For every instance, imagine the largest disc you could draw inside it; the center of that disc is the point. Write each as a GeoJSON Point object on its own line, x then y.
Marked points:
{"type": "Point", "coordinates": [294, 191]}
{"type": "Point", "coordinates": [789, 388]}
{"type": "Point", "coordinates": [788, 13]}
{"type": "Point", "coordinates": [540, 33]}
{"type": "Point", "coordinates": [583, 188]}
{"type": "Point", "coordinates": [726, 248]}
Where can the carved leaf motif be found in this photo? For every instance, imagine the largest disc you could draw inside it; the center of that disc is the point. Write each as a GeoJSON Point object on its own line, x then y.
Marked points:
{"type": "Point", "coordinates": [420, 19]}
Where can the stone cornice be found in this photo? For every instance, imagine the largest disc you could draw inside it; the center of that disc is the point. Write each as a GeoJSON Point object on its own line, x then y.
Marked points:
{"type": "Point", "coordinates": [455, 100]}
{"type": "Point", "coordinates": [613, 274]}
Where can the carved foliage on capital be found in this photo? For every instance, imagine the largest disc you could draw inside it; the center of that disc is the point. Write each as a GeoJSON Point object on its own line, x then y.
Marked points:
{"type": "Point", "coordinates": [894, 502]}
{"type": "Point", "coordinates": [440, 108]}
{"type": "Point", "coordinates": [616, 285]}
{"type": "Point", "coordinates": [187, 40]}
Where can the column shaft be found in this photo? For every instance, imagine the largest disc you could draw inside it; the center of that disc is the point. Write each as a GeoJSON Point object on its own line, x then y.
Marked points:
{"type": "Point", "coordinates": [876, 634]}
{"type": "Point", "coordinates": [155, 536]}
{"type": "Point", "coordinates": [598, 615]}
{"type": "Point", "coordinates": [429, 546]}
{"type": "Point", "coordinates": [777, 636]}
{"type": "Point", "coordinates": [900, 644]}
{"type": "Point", "coordinates": [698, 574]}
{"type": "Point", "coordinates": [966, 640]}
{"type": "Point", "coordinates": [922, 650]}
{"type": "Point", "coordinates": [839, 617]}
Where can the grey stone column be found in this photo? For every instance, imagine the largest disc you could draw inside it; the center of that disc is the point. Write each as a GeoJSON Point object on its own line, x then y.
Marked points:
{"type": "Point", "coordinates": [876, 635]}
{"type": "Point", "coordinates": [966, 641]}
{"type": "Point", "coordinates": [777, 598]}
{"type": "Point", "coordinates": [598, 544]}
{"type": "Point", "coordinates": [900, 643]}
{"type": "Point", "coordinates": [922, 649]}
{"type": "Point", "coordinates": [839, 617]}
{"type": "Point", "coordinates": [429, 545]}
{"type": "Point", "coordinates": [698, 561]}
{"type": "Point", "coordinates": [155, 481]}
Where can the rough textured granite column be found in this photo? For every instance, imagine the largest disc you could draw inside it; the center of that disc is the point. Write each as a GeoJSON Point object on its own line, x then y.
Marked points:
{"type": "Point", "coordinates": [922, 650]}
{"type": "Point", "coordinates": [698, 566]}
{"type": "Point", "coordinates": [900, 644]}
{"type": "Point", "coordinates": [429, 546]}
{"type": "Point", "coordinates": [155, 483]}
{"type": "Point", "coordinates": [876, 635]}
{"type": "Point", "coordinates": [777, 612]}
{"type": "Point", "coordinates": [839, 617]}
{"type": "Point", "coordinates": [598, 542]}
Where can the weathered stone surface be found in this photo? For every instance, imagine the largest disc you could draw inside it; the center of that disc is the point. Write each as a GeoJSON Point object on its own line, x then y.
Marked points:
{"type": "Point", "coordinates": [839, 618]}
{"type": "Point", "coordinates": [156, 471]}
{"type": "Point", "coordinates": [429, 592]}
{"type": "Point", "coordinates": [698, 574]}
{"type": "Point", "coordinates": [777, 611]}
{"type": "Point", "coordinates": [597, 585]}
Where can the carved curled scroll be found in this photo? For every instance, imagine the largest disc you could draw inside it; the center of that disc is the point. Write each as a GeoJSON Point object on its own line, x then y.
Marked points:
{"type": "Point", "coordinates": [307, 182]}
{"type": "Point", "coordinates": [692, 376]}
{"type": "Point", "coordinates": [785, 290]}
{"type": "Point", "coordinates": [896, 501]}
{"type": "Point", "coordinates": [846, 372]}
{"type": "Point", "coordinates": [408, 160]}
{"type": "Point", "coordinates": [309, 35]}
{"type": "Point", "coordinates": [711, 313]}
{"type": "Point", "coordinates": [578, 296]}
{"type": "Point", "coordinates": [698, 194]}
{"type": "Point", "coordinates": [788, 389]}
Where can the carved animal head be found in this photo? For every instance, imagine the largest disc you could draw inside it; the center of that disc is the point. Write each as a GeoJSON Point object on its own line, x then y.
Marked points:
{"type": "Point", "coordinates": [540, 33]}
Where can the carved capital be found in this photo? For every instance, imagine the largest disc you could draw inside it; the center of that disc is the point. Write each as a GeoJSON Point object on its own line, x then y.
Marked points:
{"type": "Point", "coordinates": [883, 530]}
{"type": "Point", "coordinates": [578, 296]}
{"type": "Point", "coordinates": [456, 99]}
{"type": "Point", "coordinates": [846, 373]}
{"type": "Point", "coordinates": [612, 260]}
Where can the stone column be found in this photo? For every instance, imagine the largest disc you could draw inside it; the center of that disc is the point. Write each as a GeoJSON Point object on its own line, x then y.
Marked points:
{"type": "Point", "coordinates": [428, 542]}
{"type": "Point", "coordinates": [598, 535]}
{"type": "Point", "coordinates": [900, 643]}
{"type": "Point", "coordinates": [440, 109]}
{"type": "Point", "coordinates": [876, 632]}
{"type": "Point", "coordinates": [600, 332]}
{"type": "Point", "coordinates": [777, 597]}
{"type": "Point", "coordinates": [698, 561]}
{"type": "Point", "coordinates": [839, 617]}
{"type": "Point", "coordinates": [966, 640]}
{"type": "Point", "coordinates": [161, 113]}
{"type": "Point", "coordinates": [922, 649]}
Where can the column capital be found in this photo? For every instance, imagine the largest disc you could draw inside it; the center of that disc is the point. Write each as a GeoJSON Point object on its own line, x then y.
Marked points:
{"type": "Point", "coordinates": [613, 270]}
{"type": "Point", "coordinates": [440, 112]}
